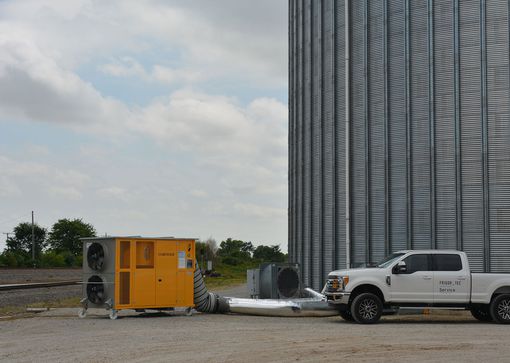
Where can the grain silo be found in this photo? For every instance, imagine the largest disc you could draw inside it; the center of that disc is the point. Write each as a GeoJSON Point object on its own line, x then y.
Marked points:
{"type": "Point", "coordinates": [399, 131]}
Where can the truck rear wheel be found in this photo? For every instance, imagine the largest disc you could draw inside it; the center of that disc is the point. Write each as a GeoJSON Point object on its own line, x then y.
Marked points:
{"type": "Point", "coordinates": [366, 308]}
{"type": "Point", "coordinates": [500, 309]}
{"type": "Point", "coordinates": [481, 313]}
{"type": "Point", "coordinates": [346, 315]}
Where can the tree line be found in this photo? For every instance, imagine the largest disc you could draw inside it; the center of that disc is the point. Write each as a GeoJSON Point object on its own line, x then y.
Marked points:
{"type": "Point", "coordinates": [235, 252]}
{"type": "Point", "coordinates": [60, 246]}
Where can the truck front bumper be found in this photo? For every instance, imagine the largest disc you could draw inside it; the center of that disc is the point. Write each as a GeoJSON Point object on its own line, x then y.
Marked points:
{"type": "Point", "coordinates": [338, 298]}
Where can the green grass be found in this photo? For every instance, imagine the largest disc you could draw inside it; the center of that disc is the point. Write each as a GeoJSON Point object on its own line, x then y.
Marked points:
{"type": "Point", "coordinates": [230, 275]}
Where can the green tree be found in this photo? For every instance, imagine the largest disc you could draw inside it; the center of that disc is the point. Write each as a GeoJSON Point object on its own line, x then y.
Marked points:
{"type": "Point", "coordinates": [234, 252]}
{"type": "Point", "coordinates": [21, 243]}
{"type": "Point", "coordinates": [65, 235]}
{"type": "Point", "coordinates": [207, 251]}
{"type": "Point", "coordinates": [269, 254]}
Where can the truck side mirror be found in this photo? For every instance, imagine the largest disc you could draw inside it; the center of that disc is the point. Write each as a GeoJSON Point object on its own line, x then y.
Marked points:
{"type": "Point", "coordinates": [400, 268]}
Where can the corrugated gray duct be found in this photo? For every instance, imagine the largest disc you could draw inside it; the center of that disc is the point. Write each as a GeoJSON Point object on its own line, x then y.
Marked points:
{"type": "Point", "coordinates": [205, 301]}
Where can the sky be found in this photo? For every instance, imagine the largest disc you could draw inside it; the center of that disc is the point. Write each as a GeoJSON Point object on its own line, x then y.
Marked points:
{"type": "Point", "coordinates": [153, 118]}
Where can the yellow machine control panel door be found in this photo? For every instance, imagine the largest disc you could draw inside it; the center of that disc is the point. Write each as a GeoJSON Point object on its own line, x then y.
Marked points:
{"type": "Point", "coordinates": [144, 275]}
{"type": "Point", "coordinates": [166, 274]}
{"type": "Point", "coordinates": [185, 270]}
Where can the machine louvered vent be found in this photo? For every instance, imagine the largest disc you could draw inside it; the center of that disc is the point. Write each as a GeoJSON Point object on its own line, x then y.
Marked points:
{"type": "Point", "coordinates": [95, 256]}
{"type": "Point", "coordinates": [96, 290]}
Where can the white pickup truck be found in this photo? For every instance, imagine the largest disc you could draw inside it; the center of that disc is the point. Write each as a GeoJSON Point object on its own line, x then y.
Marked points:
{"type": "Point", "coordinates": [419, 279]}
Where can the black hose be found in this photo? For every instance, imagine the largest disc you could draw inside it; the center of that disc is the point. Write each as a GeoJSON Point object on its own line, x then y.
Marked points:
{"type": "Point", "coordinates": [205, 301]}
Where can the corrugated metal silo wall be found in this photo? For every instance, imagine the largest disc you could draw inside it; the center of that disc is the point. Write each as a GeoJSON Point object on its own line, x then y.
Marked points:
{"type": "Point", "coordinates": [429, 133]}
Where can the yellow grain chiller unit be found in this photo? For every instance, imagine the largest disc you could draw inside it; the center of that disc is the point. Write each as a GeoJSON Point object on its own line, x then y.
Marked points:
{"type": "Point", "coordinates": [137, 273]}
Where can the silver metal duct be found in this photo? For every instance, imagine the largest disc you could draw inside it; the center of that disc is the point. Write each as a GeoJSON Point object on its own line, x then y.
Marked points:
{"type": "Point", "coordinates": [314, 306]}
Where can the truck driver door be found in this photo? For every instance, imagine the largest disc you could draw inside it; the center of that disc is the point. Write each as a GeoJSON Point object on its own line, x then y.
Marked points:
{"type": "Point", "coordinates": [415, 284]}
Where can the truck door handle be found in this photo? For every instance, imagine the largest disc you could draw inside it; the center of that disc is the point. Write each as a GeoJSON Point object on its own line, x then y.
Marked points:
{"type": "Point", "coordinates": [427, 277]}
{"type": "Point", "coordinates": [461, 277]}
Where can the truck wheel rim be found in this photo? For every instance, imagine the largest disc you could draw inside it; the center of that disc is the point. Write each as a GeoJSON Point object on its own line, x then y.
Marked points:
{"type": "Point", "coordinates": [504, 309]}
{"type": "Point", "coordinates": [368, 309]}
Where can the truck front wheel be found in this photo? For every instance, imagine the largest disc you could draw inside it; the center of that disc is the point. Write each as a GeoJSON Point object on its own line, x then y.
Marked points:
{"type": "Point", "coordinates": [481, 313]}
{"type": "Point", "coordinates": [366, 308]}
{"type": "Point", "coordinates": [500, 309]}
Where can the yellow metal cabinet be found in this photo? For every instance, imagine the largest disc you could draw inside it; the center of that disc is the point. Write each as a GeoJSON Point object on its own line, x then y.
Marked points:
{"type": "Point", "coordinates": [166, 277]}
{"type": "Point", "coordinates": [154, 273]}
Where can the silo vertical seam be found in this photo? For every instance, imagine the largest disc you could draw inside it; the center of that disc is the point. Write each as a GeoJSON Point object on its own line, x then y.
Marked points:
{"type": "Point", "coordinates": [334, 252]}
{"type": "Point", "coordinates": [408, 126]}
{"type": "Point", "coordinates": [366, 99]}
{"type": "Point", "coordinates": [387, 219]}
{"type": "Point", "coordinates": [290, 139]}
{"type": "Point", "coordinates": [312, 110]}
{"type": "Point", "coordinates": [296, 130]}
{"type": "Point", "coordinates": [347, 134]}
{"type": "Point", "coordinates": [321, 144]}
{"type": "Point", "coordinates": [458, 145]}
{"type": "Point", "coordinates": [483, 50]}
{"type": "Point", "coordinates": [302, 136]}
{"type": "Point", "coordinates": [432, 122]}
{"type": "Point", "coordinates": [291, 133]}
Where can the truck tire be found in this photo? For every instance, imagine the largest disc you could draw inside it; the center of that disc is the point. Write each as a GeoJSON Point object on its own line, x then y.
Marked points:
{"type": "Point", "coordinates": [500, 309]}
{"type": "Point", "coordinates": [481, 313]}
{"type": "Point", "coordinates": [346, 315]}
{"type": "Point", "coordinates": [366, 308]}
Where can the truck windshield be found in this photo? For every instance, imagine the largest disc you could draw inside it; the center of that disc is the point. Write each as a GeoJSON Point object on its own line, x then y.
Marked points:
{"type": "Point", "coordinates": [388, 260]}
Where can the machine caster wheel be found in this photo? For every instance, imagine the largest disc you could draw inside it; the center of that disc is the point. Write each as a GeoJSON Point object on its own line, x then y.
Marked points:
{"type": "Point", "coordinates": [189, 311]}
{"type": "Point", "coordinates": [113, 314]}
{"type": "Point", "coordinates": [82, 313]}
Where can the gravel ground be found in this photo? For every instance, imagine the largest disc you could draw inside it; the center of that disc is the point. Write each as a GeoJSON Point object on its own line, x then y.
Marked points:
{"type": "Point", "coordinates": [25, 297]}
{"type": "Point", "coordinates": [60, 336]}
{"type": "Point", "coordinates": [19, 276]}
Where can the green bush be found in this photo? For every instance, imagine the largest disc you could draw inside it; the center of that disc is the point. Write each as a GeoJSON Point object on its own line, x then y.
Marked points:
{"type": "Point", "coordinates": [79, 261]}
{"type": "Point", "coordinates": [14, 259]}
{"type": "Point", "coordinates": [53, 259]}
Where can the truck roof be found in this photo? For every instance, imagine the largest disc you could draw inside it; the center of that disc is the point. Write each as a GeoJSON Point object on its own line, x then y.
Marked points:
{"type": "Point", "coordinates": [430, 251]}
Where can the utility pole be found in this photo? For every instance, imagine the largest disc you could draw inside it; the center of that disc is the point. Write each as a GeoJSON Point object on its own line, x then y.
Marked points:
{"type": "Point", "coordinates": [33, 240]}
{"type": "Point", "coordinates": [7, 234]}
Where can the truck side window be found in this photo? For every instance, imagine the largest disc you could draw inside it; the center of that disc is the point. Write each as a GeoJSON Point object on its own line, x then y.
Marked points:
{"type": "Point", "coordinates": [447, 262]}
{"type": "Point", "coordinates": [416, 263]}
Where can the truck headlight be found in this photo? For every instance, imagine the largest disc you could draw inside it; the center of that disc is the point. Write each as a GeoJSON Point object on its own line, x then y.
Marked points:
{"type": "Point", "coordinates": [336, 283]}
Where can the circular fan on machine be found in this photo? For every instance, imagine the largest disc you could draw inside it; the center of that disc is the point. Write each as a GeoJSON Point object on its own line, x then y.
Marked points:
{"type": "Point", "coordinates": [95, 256]}
{"type": "Point", "coordinates": [95, 290]}
{"type": "Point", "coordinates": [288, 282]}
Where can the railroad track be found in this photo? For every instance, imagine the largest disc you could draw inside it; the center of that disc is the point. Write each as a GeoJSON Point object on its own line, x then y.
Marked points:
{"type": "Point", "coordinates": [37, 285]}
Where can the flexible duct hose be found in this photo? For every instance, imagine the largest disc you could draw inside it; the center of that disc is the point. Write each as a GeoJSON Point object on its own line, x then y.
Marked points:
{"type": "Point", "coordinates": [205, 301]}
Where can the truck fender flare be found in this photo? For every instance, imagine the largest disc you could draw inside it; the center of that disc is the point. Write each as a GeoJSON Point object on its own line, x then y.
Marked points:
{"type": "Point", "coordinates": [368, 286]}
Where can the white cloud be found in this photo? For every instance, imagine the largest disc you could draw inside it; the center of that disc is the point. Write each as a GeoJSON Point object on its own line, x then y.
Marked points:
{"type": "Point", "coordinates": [258, 211]}
{"type": "Point", "coordinates": [199, 193]}
{"type": "Point", "coordinates": [219, 160]}
{"type": "Point", "coordinates": [66, 193]}
{"type": "Point", "coordinates": [129, 67]}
